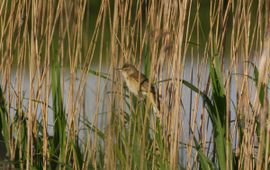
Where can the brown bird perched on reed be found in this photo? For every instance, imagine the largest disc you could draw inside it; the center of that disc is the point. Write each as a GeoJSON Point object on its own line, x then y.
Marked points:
{"type": "Point", "coordinates": [138, 84]}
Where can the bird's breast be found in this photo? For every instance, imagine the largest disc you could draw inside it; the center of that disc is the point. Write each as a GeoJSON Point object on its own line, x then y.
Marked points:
{"type": "Point", "coordinates": [133, 86]}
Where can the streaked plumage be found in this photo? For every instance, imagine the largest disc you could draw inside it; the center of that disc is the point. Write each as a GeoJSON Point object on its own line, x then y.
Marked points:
{"type": "Point", "coordinates": [139, 85]}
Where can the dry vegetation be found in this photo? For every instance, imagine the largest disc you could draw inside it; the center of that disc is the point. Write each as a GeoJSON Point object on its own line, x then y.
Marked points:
{"type": "Point", "coordinates": [222, 123]}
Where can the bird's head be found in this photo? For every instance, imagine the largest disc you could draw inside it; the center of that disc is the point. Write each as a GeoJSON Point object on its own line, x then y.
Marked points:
{"type": "Point", "coordinates": [127, 69]}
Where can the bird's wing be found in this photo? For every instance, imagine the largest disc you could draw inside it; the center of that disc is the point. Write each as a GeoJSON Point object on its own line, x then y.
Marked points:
{"type": "Point", "coordinates": [138, 76]}
{"type": "Point", "coordinates": [144, 85]}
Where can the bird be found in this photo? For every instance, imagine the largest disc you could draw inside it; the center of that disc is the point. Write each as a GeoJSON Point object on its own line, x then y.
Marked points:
{"type": "Point", "coordinates": [138, 84]}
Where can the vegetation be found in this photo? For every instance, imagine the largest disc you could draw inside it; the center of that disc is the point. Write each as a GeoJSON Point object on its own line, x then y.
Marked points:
{"type": "Point", "coordinates": [63, 105]}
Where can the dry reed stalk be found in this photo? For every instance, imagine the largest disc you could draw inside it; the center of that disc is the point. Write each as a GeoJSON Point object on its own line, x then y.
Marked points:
{"type": "Point", "coordinates": [192, 120]}
{"type": "Point", "coordinates": [32, 71]}
{"type": "Point", "coordinates": [21, 59]}
{"type": "Point", "coordinates": [164, 30]}
{"type": "Point", "coordinates": [248, 141]}
{"type": "Point", "coordinates": [6, 62]}
{"type": "Point", "coordinates": [236, 38]}
{"type": "Point", "coordinates": [91, 147]}
{"type": "Point", "coordinates": [98, 100]}
{"type": "Point", "coordinates": [110, 157]}
{"type": "Point", "coordinates": [49, 31]}
{"type": "Point", "coordinates": [262, 110]}
{"type": "Point", "coordinates": [74, 35]}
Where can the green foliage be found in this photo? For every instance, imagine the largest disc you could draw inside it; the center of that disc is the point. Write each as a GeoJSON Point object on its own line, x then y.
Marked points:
{"type": "Point", "coordinates": [75, 146]}
{"type": "Point", "coordinates": [20, 123]}
{"type": "Point", "coordinates": [4, 133]}
{"type": "Point", "coordinates": [140, 141]}
{"type": "Point", "coordinates": [58, 148]}
{"type": "Point", "coordinates": [206, 163]}
{"type": "Point", "coordinates": [219, 114]}
{"type": "Point", "coordinates": [216, 108]}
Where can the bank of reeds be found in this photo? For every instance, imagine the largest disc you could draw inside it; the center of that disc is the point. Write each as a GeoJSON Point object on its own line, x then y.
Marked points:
{"type": "Point", "coordinates": [209, 62]}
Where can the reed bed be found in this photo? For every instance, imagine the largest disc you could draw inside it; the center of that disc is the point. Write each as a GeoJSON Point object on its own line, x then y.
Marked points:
{"type": "Point", "coordinates": [209, 61]}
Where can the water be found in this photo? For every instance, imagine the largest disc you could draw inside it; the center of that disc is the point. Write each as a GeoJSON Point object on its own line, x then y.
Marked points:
{"type": "Point", "coordinates": [188, 98]}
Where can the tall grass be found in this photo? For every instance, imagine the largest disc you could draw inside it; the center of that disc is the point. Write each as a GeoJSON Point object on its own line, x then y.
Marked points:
{"type": "Point", "coordinates": [209, 61]}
